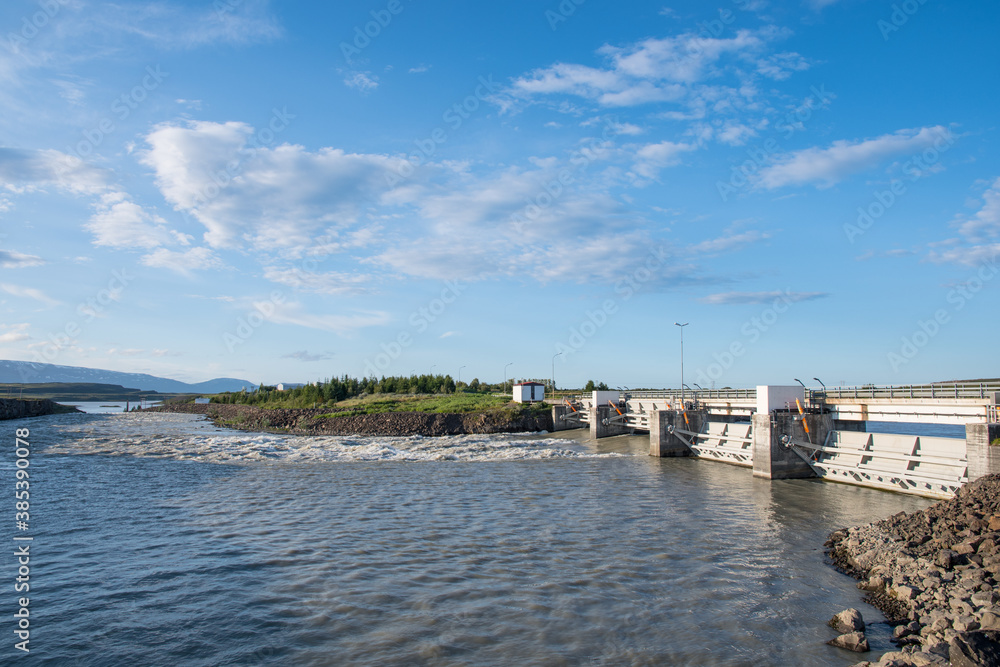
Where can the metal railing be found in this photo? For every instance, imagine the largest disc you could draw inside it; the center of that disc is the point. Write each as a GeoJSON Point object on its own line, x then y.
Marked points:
{"type": "Point", "coordinates": [993, 414]}
{"type": "Point", "coordinates": [968, 390]}
{"type": "Point", "coordinates": [981, 390]}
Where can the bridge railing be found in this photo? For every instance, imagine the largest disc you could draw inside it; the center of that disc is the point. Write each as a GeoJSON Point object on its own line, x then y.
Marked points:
{"type": "Point", "coordinates": [983, 390]}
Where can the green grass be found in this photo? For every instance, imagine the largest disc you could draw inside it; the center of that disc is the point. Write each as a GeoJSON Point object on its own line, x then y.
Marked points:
{"type": "Point", "coordinates": [434, 403]}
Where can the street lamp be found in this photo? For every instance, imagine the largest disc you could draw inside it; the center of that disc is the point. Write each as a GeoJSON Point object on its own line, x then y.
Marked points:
{"type": "Point", "coordinates": [683, 404]}
{"type": "Point", "coordinates": [821, 383]}
{"type": "Point", "coordinates": [698, 385]}
{"type": "Point", "coordinates": [505, 377]}
{"type": "Point", "coordinates": [800, 382]}
{"type": "Point", "coordinates": [460, 374]}
{"type": "Point", "coordinates": [432, 370]}
{"type": "Point", "coordinates": [554, 370]}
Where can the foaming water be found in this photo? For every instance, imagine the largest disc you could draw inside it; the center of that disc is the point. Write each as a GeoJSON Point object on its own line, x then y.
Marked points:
{"type": "Point", "coordinates": [191, 437]}
{"type": "Point", "coordinates": [152, 549]}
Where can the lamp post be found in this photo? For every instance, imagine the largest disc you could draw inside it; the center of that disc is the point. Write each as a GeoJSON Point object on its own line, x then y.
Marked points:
{"type": "Point", "coordinates": [505, 377]}
{"type": "Point", "coordinates": [683, 403]}
{"type": "Point", "coordinates": [554, 370]}
{"type": "Point", "coordinates": [432, 370]}
{"type": "Point", "coordinates": [820, 383]}
{"type": "Point", "coordinates": [460, 374]}
{"type": "Point", "coordinates": [800, 382]}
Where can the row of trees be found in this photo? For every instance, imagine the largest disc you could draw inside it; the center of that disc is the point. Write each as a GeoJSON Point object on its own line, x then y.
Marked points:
{"type": "Point", "coordinates": [342, 388]}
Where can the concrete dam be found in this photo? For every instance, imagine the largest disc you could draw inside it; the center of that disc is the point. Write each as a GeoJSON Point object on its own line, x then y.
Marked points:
{"type": "Point", "coordinates": [787, 432]}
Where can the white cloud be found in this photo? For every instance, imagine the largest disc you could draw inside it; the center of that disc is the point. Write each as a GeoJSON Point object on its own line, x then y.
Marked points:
{"type": "Point", "coordinates": [651, 158]}
{"type": "Point", "coordinates": [294, 313]}
{"type": "Point", "coordinates": [725, 243]}
{"type": "Point", "coordinates": [183, 262]}
{"type": "Point", "coordinates": [979, 240]}
{"type": "Point", "coordinates": [827, 166]}
{"type": "Point", "coordinates": [985, 223]}
{"type": "Point", "coordinates": [419, 69]}
{"type": "Point", "coordinates": [362, 81]}
{"type": "Point", "coordinates": [16, 260]}
{"type": "Point", "coordinates": [668, 69]}
{"type": "Point", "coordinates": [29, 293]}
{"type": "Point", "coordinates": [32, 169]}
{"type": "Point", "coordinates": [739, 298]}
{"type": "Point", "coordinates": [271, 198]}
{"type": "Point", "coordinates": [328, 282]}
{"type": "Point", "coordinates": [14, 332]}
{"type": "Point", "coordinates": [121, 223]}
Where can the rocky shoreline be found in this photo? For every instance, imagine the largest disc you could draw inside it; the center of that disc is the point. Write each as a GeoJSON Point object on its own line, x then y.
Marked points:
{"type": "Point", "coordinates": [935, 574]}
{"type": "Point", "coordinates": [311, 421]}
{"type": "Point", "coordinates": [15, 408]}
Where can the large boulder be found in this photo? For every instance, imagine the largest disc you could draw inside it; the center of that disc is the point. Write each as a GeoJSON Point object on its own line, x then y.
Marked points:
{"type": "Point", "coordinates": [975, 649]}
{"type": "Point", "coordinates": [849, 620]}
{"type": "Point", "coordinates": [852, 641]}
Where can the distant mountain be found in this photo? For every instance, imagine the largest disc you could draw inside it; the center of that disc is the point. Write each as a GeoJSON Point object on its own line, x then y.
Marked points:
{"type": "Point", "coordinates": [27, 372]}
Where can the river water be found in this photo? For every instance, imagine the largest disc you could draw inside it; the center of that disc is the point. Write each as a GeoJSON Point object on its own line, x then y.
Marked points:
{"type": "Point", "coordinates": [162, 540]}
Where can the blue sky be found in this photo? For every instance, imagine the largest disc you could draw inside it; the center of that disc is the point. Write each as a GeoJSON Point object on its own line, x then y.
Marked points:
{"type": "Point", "coordinates": [288, 191]}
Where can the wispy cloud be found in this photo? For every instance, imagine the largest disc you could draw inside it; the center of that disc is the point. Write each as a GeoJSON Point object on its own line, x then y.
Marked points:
{"type": "Point", "coordinates": [17, 260]}
{"type": "Point", "coordinates": [29, 293]}
{"type": "Point", "coordinates": [740, 298]}
{"type": "Point", "coordinates": [827, 166]}
{"type": "Point", "coordinates": [13, 333]}
{"type": "Point", "coordinates": [306, 356]}
{"type": "Point", "coordinates": [979, 234]}
{"type": "Point", "coordinates": [294, 313]}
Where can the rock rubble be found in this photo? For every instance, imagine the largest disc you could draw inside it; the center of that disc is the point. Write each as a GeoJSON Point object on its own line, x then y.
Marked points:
{"type": "Point", "coordinates": [934, 573]}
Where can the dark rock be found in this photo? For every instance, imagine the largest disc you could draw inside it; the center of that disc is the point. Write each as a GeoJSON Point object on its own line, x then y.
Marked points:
{"type": "Point", "coordinates": [975, 649]}
{"type": "Point", "coordinates": [945, 558]}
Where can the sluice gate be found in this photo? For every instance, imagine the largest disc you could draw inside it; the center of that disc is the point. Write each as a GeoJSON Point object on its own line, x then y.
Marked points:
{"type": "Point", "coordinates": [787, 431]}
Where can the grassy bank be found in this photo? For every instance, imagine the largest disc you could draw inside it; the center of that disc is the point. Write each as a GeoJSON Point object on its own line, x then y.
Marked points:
{"type": "Point", "coordinates": [432, 403]}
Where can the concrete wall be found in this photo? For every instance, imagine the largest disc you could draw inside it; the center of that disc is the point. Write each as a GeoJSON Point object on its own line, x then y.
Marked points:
{"type": "Point", "coordinates": [661, 441]}
{"type": "Point", "coordinates": [560, 424]}
{"type": "Point", "coordinates": [983, 457]}
{"type": "Point", "coordinates": [597, 428]}
{"type": "Point", "coordinates": [771, 459]}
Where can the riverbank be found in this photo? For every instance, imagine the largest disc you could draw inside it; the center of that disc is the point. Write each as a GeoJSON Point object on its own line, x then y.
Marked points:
{"type": "Point", "coordinates": [934, 573]}
{"type": "Point", "coordinates": [15, 408]}
{"type": "Point", "coordinates": [307, 421]}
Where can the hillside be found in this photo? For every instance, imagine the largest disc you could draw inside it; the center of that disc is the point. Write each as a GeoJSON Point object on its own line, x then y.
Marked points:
{"type": "Point", "coordinates": [27, 372]}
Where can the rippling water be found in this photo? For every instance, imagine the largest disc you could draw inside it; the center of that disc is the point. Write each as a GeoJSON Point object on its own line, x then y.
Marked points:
{"type": "Point", "coordinates": [162, 540]}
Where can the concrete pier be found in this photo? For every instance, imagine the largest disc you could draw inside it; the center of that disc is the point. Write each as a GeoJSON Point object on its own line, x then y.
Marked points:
{"type": "Point", "coordinates": [982, 455]}
{"type": "Point", "coordinates": [662, 442]}
{"type": "Point", "coordinates": [559, 423]}
{"type": "Point", "coordinates": [771, 458]}
{"type": "Point", "coordinates": [598, 429]}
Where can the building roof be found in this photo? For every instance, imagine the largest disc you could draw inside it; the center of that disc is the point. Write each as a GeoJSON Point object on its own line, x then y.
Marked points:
{"type": "Point", "coordinates": [525, 384]}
